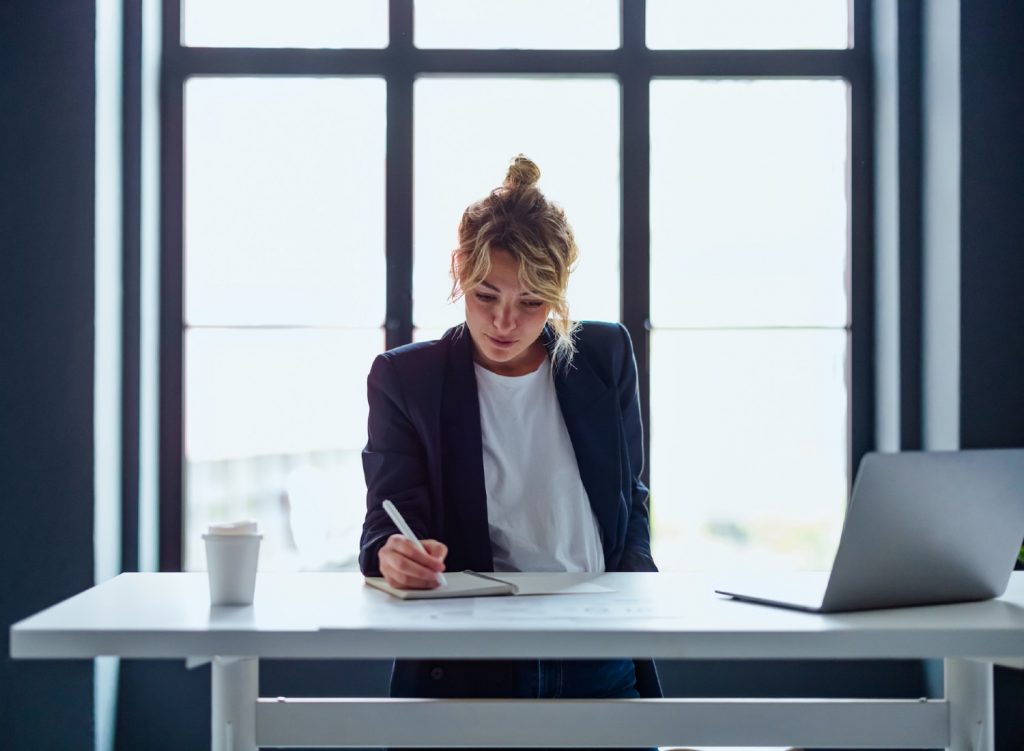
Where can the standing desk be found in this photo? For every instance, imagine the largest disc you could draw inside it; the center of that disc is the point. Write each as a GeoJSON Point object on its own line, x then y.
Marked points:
{"type": "Point", "coordinates": [659, 615]}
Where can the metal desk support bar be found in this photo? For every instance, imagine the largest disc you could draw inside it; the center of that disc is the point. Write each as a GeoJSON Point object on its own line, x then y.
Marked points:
{"type": "Point", "coordinates": [236, 682]}
{"type": "Point", "coordinates": [593, 723]}
{"type": "Point", "coordinates": [970, 695]}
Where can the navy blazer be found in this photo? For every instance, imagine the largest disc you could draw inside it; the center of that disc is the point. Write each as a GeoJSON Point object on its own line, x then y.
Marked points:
{"type": "Point", "coordinates": [424, 451]}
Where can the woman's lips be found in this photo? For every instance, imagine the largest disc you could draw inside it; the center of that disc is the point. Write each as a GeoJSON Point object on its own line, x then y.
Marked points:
{"type": "Point", "coordinates": [501, 343]}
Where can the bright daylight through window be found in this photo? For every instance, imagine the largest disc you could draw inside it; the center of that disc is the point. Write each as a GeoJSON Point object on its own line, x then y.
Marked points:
{"type": "Point", "coordinates": [286, 223]}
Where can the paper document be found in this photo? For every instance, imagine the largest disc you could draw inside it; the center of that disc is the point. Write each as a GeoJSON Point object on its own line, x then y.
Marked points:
{"type": "Point", "coordinates": [475, 584]}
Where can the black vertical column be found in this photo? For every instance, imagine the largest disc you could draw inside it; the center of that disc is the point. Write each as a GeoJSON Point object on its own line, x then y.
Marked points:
{"type": "Point", "coordinates": [47, 194]}
{"type": "Point", "coordinates": [992, 260]}
{"type": "Point", "coordinates": [992, 224]}
{"type": "Point", "coordinates": [909, 21]}
{"type": "Point", "coordinates": [131, 180]}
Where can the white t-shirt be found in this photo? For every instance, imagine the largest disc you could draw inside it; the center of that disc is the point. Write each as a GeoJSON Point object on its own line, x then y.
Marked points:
{"type": "Point", "coordinates": [537, 508]}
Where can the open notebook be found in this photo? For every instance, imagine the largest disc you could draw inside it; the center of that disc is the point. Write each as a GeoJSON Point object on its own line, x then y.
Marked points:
{"type": "Point", "coordinates": [473, 584]}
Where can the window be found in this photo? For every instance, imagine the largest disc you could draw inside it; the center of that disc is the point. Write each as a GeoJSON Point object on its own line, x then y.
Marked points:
{"type": "Point", "coordinates": [284, 299]}
{"type": "Point", "coordinates": [524, 24]}
{"type": "Point", "coordinates": [710, 155]}
{"type": "Point", "coordinates": [298, 23]}
{"type": "Point", "coordinates": [750, 337]}
{"type": "Point", "coordinates": [748, 24]}
{"type": "Point", "coordinates": [467, 128]}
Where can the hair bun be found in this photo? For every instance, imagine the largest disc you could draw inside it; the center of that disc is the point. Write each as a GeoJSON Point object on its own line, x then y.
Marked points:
{"type": "Point", "coordinates": [522, 173]}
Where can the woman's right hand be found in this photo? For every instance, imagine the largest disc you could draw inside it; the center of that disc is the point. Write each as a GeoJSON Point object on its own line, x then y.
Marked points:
{"type": "Point", "coordinates": [403, 566]}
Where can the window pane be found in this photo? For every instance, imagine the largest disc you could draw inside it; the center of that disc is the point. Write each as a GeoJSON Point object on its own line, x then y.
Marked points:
{"type": "Point", "coordinates": [524, 24]}
{"type": "Point", "coordinates": [274, 424]}
{"type": "Point", "coordinates": [426, 335]}
{"type": "Point", "coordinates": [748, 24]}
{"type": "Point", "coordinates": [281, 23]}
{"type": "Point", "coordinates": [748, 448]}
{"type": "Point", "coordinates": [749, 203]}
{"type": "Point", "coordinates": [284, 220]}
{"type": "Point", "coordinates": [468, 130]}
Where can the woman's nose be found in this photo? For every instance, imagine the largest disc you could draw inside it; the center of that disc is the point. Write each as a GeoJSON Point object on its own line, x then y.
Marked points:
{"type": "Point", "coordinates": [504, 318]}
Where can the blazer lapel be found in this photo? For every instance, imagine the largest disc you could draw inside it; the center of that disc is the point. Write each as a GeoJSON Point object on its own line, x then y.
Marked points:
{"type": "Point", "coordinates": [466, 528]}
{"type": "Point", "coordinates": [590, 409]}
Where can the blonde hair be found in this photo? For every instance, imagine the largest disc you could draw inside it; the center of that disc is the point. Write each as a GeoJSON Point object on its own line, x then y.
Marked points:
{"type": "Point", "coordinates": [518, 219]}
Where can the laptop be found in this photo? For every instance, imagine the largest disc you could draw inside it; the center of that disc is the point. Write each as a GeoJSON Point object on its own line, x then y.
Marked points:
{"type": "Point", "coordinates": [922, 528]}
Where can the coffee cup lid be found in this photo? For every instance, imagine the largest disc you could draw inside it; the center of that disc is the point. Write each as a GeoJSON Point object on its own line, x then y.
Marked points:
{"type": "Point", "coordinates": [245, 527]}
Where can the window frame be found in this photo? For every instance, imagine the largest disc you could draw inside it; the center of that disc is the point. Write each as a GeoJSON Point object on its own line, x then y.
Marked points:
{"type": "Point", "coordinates": [633, 64]}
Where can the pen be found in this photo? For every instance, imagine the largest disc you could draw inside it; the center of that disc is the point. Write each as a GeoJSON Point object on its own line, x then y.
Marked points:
{"type": "Point", "coordinates": [404, 529]}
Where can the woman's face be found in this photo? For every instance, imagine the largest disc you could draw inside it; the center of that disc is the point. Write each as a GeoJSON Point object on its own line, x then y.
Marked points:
{"type": "Point", "coordinates": [505, 320]}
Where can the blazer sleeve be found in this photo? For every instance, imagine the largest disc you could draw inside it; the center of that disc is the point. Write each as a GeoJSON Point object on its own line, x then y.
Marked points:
{"type": "Point", "coordinates": [394, 465]}
{"type": "Point", "coordinates": [636, 555]}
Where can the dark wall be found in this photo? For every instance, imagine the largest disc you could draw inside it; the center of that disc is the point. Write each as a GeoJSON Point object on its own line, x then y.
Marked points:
{"type": "Point", "coordinates": [46, 353]}
{"type": "Point", "coordinates": [992, 224]}
{"type": "Point", "coordinates": [992, 260]}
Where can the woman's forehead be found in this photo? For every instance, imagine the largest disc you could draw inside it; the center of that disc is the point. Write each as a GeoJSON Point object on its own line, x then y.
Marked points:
{"type": "Point", "coordinates": [511, 288]}
{"type": "Point", "coordinates": [503, 275]}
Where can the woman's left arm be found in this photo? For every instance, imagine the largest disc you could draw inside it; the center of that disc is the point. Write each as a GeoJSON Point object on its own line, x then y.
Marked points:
{"type": "Point", "coordinates": [636, 555]}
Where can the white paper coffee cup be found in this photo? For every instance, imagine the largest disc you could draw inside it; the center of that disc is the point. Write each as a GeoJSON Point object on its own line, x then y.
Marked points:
{"type": "Point", "coordinates": [232, 552]}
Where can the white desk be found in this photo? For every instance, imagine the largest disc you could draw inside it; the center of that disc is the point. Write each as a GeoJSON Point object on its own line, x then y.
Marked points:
{"type": "Point", "coordinates": [648, 615]}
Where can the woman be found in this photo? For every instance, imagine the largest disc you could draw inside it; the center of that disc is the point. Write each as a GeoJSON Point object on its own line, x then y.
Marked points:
{"type": "Point", "coordinates": [512, 443]}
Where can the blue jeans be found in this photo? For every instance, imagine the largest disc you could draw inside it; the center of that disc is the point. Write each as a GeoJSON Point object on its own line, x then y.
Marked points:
{"type": "Point", "coordinates": [577, 679]}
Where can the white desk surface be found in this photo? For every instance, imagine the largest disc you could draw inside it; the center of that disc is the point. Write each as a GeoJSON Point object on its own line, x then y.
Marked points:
{"type": "Point", "coordinates": [334, 615]}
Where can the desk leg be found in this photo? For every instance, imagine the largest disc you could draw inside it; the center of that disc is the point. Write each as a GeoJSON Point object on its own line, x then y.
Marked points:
{"type": "Point", "coordinates": [233, 703]}
{"type": "Point", "coordinates": [969, 693]}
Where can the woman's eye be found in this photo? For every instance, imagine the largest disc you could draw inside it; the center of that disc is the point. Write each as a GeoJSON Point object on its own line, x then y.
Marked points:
{"type": "Point", "coordinates": [484, 298]}
{"type": "Point", "coordinates": [532, 304]}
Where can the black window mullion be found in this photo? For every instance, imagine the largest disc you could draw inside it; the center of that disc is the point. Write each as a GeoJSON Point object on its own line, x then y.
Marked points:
{"type": "Point", "coordinates": [255, 61]}
{"type": "Point", "coordinates": [702, 63]}
{"type": "Point", "coordinates": [398, 178]}
{"type": "Point", "coordinates": [172, 333]}
{"type": "Point", "coordinates": [752, 63]}
{"type": "Point", "coordinates": [861, 291]}
{"type": "Point", "coordinates": [636, 187]}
